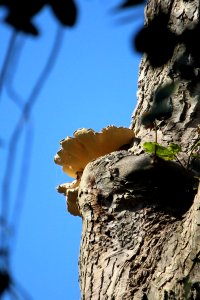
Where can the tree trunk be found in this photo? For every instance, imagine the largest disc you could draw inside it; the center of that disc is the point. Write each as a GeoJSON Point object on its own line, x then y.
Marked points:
{"type": "Point", "coordinates": [141, 214]}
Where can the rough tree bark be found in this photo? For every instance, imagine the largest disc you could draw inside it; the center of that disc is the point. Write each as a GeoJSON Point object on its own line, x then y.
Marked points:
{"type": "Point", "coordinates": [141, 219]}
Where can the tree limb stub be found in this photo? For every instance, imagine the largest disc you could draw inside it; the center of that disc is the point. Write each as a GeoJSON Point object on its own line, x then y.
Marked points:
{"type": "Point", "coordinates": [132, 237]}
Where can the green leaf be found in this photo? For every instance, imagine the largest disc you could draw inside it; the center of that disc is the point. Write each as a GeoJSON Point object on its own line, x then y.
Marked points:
{"type": "Point", "coordinates": [161, 151]}
{"type": "Point", "coordinates": [161, 107]}
{"type": "Point", "coordinates": [174, 148]}
{"type": "Point", "coordinates": [149, 147]}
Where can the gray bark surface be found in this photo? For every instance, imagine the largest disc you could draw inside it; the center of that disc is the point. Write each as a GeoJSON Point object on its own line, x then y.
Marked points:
{"type": "Point", "coordinates": [182, 126]}
{"type": "Point", "coordinates": [141, 215]}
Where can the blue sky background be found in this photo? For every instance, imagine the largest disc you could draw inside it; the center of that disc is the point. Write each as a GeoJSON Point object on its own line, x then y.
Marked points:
{"type": "Point", "coordinates": [92, 85]}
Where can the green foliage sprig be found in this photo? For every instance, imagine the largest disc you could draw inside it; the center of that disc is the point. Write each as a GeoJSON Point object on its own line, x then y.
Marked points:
{"type": "Point", "coordinates": [167, 153]}
{"type": "Point", "coordinates": [170, 152]}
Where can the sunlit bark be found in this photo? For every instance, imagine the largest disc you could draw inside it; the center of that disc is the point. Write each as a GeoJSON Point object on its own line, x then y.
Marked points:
{"type": "Point", "coordinates": [141, 218]}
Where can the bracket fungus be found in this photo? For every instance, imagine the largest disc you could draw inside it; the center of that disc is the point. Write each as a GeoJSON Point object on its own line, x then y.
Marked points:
{"type": "Point", "coordinates": [86, 145]}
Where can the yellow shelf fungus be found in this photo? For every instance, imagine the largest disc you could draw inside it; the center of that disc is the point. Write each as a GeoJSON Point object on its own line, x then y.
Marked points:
{"type": "Point", "coordinates": [86, 145]}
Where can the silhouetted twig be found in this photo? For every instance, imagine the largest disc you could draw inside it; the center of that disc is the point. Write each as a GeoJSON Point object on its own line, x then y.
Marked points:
{"type": "Point", "coordinates": [12, 69]}
{"type": "Point", "coordinates": [15, 290]}
{"type": "Point", "coordinates": [22, 182]}
{"type": "Point", "coordinates": [7, 59]}
{"type": "Point", "coordinates": [25, 115]}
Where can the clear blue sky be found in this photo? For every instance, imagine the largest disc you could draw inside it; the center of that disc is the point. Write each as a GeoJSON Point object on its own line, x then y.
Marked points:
{"type": "Point", "coordinates": [92, 85]}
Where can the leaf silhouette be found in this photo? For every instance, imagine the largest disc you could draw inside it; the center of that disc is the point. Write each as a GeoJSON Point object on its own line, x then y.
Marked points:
{"type": "Point", "coordinates": [65, 11]}
{"type": "Point", "coordinates": [156, 40]}
{"type": "Point", "coordinates": [161, 107]}
{"type": "Point", "coordinates": [4, 281]}
{"type": "Point", "coordinates": [130, 3]}
{"type": "Point", "coordinates": [164, 91]}
{"type": "Point", "coordinates": [190, 38]}
{"type": "Point", "coordinates": [184, 66]}
{"type": "Point", "coordinates": [20, 13]}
